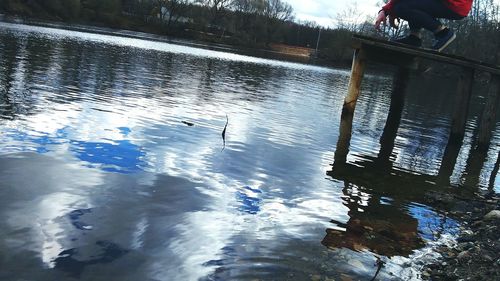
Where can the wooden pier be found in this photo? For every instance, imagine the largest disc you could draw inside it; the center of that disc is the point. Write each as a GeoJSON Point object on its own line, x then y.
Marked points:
{"type": "Point", "coordinates": [406, 59]}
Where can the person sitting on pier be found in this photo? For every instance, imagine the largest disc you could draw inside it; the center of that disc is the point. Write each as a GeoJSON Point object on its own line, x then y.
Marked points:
{"type": "Point", "coordinates": [424, 14]}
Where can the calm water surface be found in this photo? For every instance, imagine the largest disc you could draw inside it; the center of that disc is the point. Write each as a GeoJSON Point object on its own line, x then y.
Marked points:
{"type": "Point", "coordinates": [113, 165]}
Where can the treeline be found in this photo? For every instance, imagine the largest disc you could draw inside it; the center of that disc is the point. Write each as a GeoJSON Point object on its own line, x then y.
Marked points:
{"type": "Point", "coordinates": [250, 23]}
{"type": "Point", "coordinates": [253, 23]}
{"type": "Point", "coordinates": [66, 10]}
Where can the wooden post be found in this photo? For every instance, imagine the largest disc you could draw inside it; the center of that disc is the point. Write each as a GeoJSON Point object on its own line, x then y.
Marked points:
{"type": "Point", "coordinates": [357, 72]}
{"type": "Point", "coordinates": [464, 93]}
{"type": "Point", "coordinates": [344, 141]}
{"type": "Point", "coordinates": [487, 124]}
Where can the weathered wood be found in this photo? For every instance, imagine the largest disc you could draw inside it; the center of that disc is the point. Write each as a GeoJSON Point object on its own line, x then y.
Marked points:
{"type": "Point", "coordinates": [354, 89]}
{"type": "Point", "coordinates": [387, 57]}
{"type": "Point", "coordinates": [488, 118]}
{"type": "Point", "coordinates": [464, 93]}
{"type": "Point", "coordinates": [344, 140]}
{"type": "Point", "coordinates": [400, 50]}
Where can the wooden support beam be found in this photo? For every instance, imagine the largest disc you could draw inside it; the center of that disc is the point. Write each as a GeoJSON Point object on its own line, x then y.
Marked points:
{"type": "Point", "coordinates": [344, 140]}
{"type": "Point", "coordinates": [464, 93]}
{"type": "Point", "coordinates": [354, 89]}
{"type": "Point", "coordinates": [488, 118]}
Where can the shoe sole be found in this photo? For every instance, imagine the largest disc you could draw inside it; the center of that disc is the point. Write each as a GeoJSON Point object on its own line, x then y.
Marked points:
{"type": "Point", "coordinates": [452, 38]}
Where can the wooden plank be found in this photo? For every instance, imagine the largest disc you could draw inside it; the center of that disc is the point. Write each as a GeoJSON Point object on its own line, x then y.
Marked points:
{"type": "Point", "coordinates": [488, 118]}
{"type": "Point", "coordinates": [385, 56]}
{"type": "Point", "coordinates": [464, 93]}
{"type": "Point", "coordinates": [354, 89]}
{"type": "Point", "coordinates": [400, 49]}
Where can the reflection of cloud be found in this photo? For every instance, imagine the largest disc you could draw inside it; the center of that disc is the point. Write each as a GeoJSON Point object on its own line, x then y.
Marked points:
{"type": "Point", "coordinates": [42, 203]}
{"type": "Point", "coordinates": [48, 218]}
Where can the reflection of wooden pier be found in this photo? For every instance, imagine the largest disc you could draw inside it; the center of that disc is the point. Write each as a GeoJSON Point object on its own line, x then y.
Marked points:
{"type": "Point", "coordinates": [407, 58]}
{"type": "Point", "coordinates": [387, 229]}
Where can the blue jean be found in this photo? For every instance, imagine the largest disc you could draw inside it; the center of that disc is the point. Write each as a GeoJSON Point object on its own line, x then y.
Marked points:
{"type": "Point", "coordinates": [424, 13]}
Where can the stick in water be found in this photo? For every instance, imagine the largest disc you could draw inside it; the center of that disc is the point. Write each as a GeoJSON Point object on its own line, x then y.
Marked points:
{"type": "Point", "coordinates": [380, 263]}
{"type": "Point", "coordinates": [224, 134]}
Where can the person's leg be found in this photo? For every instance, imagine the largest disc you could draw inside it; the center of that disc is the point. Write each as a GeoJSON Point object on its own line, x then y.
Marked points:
{"type": "Point", "coordinates": [424, 14]}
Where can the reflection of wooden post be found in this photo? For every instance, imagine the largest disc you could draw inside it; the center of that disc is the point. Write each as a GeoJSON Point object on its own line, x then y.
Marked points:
{"type": "Point", "coordinates": [464, 93]}
{"type": "Point", "coordinates": [449, 160]}
{"type": "Point", "coordinates": [488, 118]}
{"type": "Point", "coordinates": [493, 176]}
{"type": "Point", "coordinates": [395, 112]}
{"type": "Point", "coordinates": [357, 73]}
{"type": "Point", "coordinates": [475, 164]}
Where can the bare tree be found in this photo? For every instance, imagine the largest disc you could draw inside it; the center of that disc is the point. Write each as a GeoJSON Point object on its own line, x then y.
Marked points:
{"type": "Point", "coordinates": [217, 8]}
{"type": "Point", "coordinates": [169, 11]}
{"type": "Point", "coordinates": [278, 10]}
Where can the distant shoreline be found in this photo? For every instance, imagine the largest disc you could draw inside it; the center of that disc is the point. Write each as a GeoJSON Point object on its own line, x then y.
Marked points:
{"type": "Point", "coordinates": [255, 52]}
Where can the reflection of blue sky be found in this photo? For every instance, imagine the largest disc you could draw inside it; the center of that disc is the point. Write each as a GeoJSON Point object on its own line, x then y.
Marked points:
{"type": "Point", "coordinates": [18, 141]}
{"type": "Point", "coordinates": [121, 156]}
{"type": "Point", "coordinates": [431, 224]}
{"type": "Point", "coordinates": [248, 197]}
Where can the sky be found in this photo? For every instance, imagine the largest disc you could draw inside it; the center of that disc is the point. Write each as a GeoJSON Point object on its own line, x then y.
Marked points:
{"type": "Point", "coordinates": [325, 12]}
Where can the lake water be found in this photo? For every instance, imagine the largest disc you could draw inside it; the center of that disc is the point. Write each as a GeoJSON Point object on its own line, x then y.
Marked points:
{"type": "Point", "coordinates": [113, 165]}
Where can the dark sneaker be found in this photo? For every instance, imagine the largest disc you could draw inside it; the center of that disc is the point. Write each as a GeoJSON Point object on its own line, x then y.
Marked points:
{"type": "Point", "coordinates": [443, 39]}
{"type": "Point", "coordinates": [410, 40]}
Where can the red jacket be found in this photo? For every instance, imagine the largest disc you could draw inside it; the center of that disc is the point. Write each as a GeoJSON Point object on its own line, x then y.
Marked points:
{"type": "Point", "coordinates": [461, 7]}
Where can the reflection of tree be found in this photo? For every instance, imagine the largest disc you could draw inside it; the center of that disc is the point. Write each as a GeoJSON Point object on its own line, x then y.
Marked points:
{"type": "Point", "coordinates": [39, 54]}
{"type": "Point", "coordinates": [238, 81]}
{"type": "Point", "coordinates": [257, 81]}
{"type": "Point", "coordinates": [8, 45]}
{"type": "Point", "coordinates": [15, 93]}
